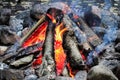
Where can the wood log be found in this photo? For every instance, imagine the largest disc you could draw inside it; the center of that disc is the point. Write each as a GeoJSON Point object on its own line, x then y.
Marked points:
{"type": "Point", "coordinates": [48, 65]}
{"type": "Point", "coordinates": [80, 35]}
{"type": "Point", "coordinates": [93, 39]}
{"type": "Point", "coordinates": [73, 53]}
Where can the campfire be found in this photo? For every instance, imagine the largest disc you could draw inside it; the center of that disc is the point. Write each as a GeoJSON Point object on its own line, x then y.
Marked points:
{"type": "Point", "coordinates": [59, 46]}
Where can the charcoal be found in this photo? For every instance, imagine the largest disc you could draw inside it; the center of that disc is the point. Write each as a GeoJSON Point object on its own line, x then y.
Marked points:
{"type": "Point", "coordinates": [101, 72]}
{"type": "Point", "coordinates": [7, 36]}
{"type": "Point", "coordinates": [117, 48]}
{"type": "Point", "coordinates": [11, 74]}
{"type": "Point", "coordinates": [37, 10]}
{"type": "Point", "coordinates": [65, 72]}
{"type": "Point", "coordinates": [5, 16]}
{"type": "Point", "coordinates": [92, 19]}
{"type": "Point", "coordinates": [81, 75]}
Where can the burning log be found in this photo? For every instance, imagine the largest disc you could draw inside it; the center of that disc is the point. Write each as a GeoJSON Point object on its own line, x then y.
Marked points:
{"type": "Point", "coordinates": [33, 29]}
{"type": "Point", "coordinates": [80, 35]}
{"type": "Point", "coordinates": [93, 39]}
{"type": "Point", "coordinates": [48, 64]}
{"type": "Point", "coordinates": [75, 58]}
{"type": "Point", "coordinates": [12, 51]}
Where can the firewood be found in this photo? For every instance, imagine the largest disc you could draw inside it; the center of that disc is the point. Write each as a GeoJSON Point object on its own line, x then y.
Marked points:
{"type": "Point", "coordinates": [22, 61]}
{"type": "Point", "coordinates": [93, 39]}
{"type": "Point", "coordinates": [13, 50]}
{"type": "Point", "coordinates": [73, 52]}
{"type": "Point", "coordinates": [71, 26]}
{"type": "Point", "coordinates": [33, 29]}
{"type": "Point", "coordinates": [48, 64]}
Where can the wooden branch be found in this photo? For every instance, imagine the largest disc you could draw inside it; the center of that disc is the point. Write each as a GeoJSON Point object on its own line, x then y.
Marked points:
{"type": "Point", "coordinates": [42, 19]}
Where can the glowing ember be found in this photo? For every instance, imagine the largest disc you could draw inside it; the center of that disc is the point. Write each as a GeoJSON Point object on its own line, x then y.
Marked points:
{"type": "Point", "coordinates": [60, 56]}
{"type": "Point", "coordinates": [38, 61]}
{"type": "Point", "coordinates": [37, 36]}
{"type": "Point", "coordinates": [82, 54]}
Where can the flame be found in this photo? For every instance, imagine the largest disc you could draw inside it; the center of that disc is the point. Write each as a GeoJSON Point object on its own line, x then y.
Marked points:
{"type": "Point", "coordinates": [38, 61]}
{"type": "Point", "coordinates": [70, 70]}
{"type": "Point", "coordinates": [52, 18]}
{"type": "Point", "coordinates": [60, 56]}
{"type": "Point", "coordinates": [37, 36]}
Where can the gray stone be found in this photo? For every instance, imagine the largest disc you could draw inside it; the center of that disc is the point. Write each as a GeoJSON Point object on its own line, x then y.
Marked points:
{"type": "Point", "coordinates": [11, 74]}
{"type": "Point", "coordinates": [5, 16]}
{"type": "Point", "coordinates": [117, 47]}
{"type": "Point", "coordinates": [63, 78]}
{"type": "Point", "coordinates": [37, 10]}
{"type": "Point", "coordinates": [7, 36]}
{"type": "Point", "coordinates": [81, 75]}
{"type": "Point", "coordinates": [101, 72]}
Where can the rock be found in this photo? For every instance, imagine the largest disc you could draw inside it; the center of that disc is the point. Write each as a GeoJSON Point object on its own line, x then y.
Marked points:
{"type": "Point", "coordinates": [117, 72]}
{"type": "Point", "coordinates": [118, 37]}
{"type": "Point", "coordinates": [36, 11]}
{"type": "Point", "coordinates": [63, 78]}
{"type": "Point", "coordinates": [11, 74]}
{"type": "Point", "coordinates": [16, 24]}
{"type": "Point", "coordinates": [31, 77]}
{"type": "Point", "coordinates": [117, 48]}
{"type": "Point", "coordinates": [3, 49]}
{"type": "Point", "coordinates": [5, 16]}
{"type": "Point", "coordinates": [3, 66]}
{"type": "Point", "coordinates": [7, 36]}
{"type": "Point", "coordinates": [101, 72]}
{"type": "Point", "coordinates": [81, 75]}
{"type": "Point", "coordinates": [22, 61]}
{"type": "Point", "coordinates": [92, 19]}
{"type": "Point", "coordinates": [47, 77]}
{"type": "Point", "coordinates": [23, 14]}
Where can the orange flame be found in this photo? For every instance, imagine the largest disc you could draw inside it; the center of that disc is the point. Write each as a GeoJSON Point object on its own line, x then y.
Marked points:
{"type": "Point", "coordinates": [70, 70]}
{"type": "Point", "coordinates": [60, 56]}
{"type": "Point", "coordinates": [37, 36]}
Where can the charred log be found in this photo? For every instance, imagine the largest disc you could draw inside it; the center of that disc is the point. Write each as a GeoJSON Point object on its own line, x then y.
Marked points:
{"type": "Point", "coordinates": [74, 56]}
{"type": "Point", "coordinates": [48, 65]}
{"type": "Point", "coordinates": [80, 35]}
{"type": "Point", "coordinates": [93, 39]}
